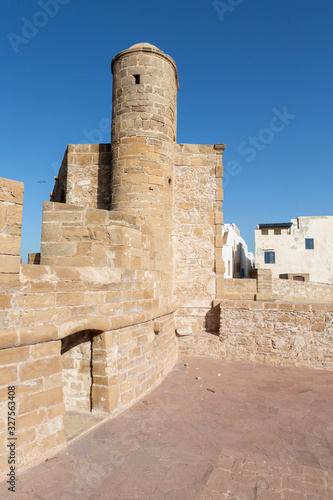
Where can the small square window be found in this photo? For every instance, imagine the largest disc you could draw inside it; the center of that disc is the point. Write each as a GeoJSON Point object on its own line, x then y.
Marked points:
{"type": "Point", "coordinates": [269, 257]}
{"type": "Point", "coordinates": [264, 232]}
{"type": "Point", "coordinates": [277, 231]}
{"type": "Point", "coordinates": [309, 243]}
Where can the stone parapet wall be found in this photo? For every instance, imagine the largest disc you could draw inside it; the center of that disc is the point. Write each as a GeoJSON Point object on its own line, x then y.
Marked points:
{"type": "Point", "coordinates": [148, 352]}
{"type": "Point", "coordinates": [35, 372]}
{"type": "Point", "coordinates": [11, 207]}
{"type": "Point", "coordinates": [126, 363]}
{"type": "Point", "coordinates": [84, 176]}
{"type": "Point", "coordinates": [79, 236]}
{"type": "Point", "coordinates": [54, 302]}
{"type": "Point", "coordinates": [119, 294]}
{"type": "Point", "coordinates": [240, 289]}
{"type": "Point", "coordinates": [278, 333]}
{"type": "Point", "coordinates": [132, 347]}
{"type": "Point", "coordinates": [51, 295]}
{"type": "Point", "coordinates": [303, 291]}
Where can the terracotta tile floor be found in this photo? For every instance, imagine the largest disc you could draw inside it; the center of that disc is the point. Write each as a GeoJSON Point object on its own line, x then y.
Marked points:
{"type": "Point", "coordinates": [265, 433]}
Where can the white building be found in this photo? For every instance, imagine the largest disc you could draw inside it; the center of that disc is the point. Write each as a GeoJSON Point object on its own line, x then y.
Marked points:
{"type": "Point", "coordinates": [303, 246]}
{"type": "Point", "coordinates": [237, 259]}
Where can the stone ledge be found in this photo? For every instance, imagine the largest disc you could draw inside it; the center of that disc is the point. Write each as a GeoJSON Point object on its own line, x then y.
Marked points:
{"type": "Point", "coordinates": [280, 306]}
{"type": "Point", "coordinates": [18, 337]}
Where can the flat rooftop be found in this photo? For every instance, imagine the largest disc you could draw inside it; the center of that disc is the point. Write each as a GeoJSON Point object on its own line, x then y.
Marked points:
{"type": "Point", "coordinates": [215, 429]}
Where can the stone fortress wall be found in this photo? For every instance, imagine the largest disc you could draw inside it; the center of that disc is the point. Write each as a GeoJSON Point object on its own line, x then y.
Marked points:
{"type": "Point", "coordinates": [92, 327]}
{"type": "Point", "coordinates": [271, 321]}
{"type": "Point", "coordinates": [303, 291]}
{"type": "Point", "coordinates": [277, 333]}
{"type": "Point", "coordinates": [46, 308]}
{"type": "Point", "coordinates": [131, 251]}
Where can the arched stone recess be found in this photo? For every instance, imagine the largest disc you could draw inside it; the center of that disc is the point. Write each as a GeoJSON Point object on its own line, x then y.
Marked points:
{"type": "Point", "coordinates": [78, 370]}
{"type": "Point", "coordinates": [105, 372]}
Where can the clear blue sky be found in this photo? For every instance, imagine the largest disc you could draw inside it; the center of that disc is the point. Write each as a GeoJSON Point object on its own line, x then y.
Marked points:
{"type": "Point", "coordinates": [234, 67]}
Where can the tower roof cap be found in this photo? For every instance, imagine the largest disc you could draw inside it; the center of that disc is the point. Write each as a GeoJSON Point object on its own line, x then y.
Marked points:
{"type": "Point", "coordinates": [145, 45]}
{"type": "Point", "coordinates": [150, 49]}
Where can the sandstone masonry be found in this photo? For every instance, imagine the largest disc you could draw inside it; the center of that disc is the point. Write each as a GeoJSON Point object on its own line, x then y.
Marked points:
{"type": "Point", "coordinates": [131, 252]}
{"type": "Point", "coordinates": [132, 233]}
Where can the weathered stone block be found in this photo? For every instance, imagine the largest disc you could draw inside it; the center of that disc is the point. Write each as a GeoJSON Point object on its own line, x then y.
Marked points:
{"type": "Point", "coordinates": [5, 301]}
{"type": "Point", "coordinates": [11, 191]}
{"type": "Point", "coordinates": [65, 249]}
{"type": "Point", "coordinates": [219, 194]}
{"type": "Point", "coordinates": [218, 218]}
{"type": "Point", "coordinates": [9, 264]}
{"type": "Point", "coordinates": [96, 217]}
{"type": "Point", "coordinates": [3, 220]}
{"type": "Point", "coordinates": [28, 420]}
{"type": "Point", "coordinates": [8, 375]}
{"type": "Point", "coordinates": [43, 399]}
{"type": "Point", "coordinates": [14, 356]}
{"type": "Point", "coordinates": [47, 367]}
{"type": "Point", "coordinates": [10, 245]}
{"type": "Point", "coordinates": [51, 231]}
{"type": "Point", "coordinates": [219, 241]}
{"type": "Point", "coordinates": [37, 334]}
{"type": "Point", "coordinates": [14, 219]}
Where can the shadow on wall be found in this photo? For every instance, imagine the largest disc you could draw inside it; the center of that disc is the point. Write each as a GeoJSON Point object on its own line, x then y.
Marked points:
{"type": "Point", "coordinates": [104, 176]}
{"type": "Point", "coordinates": [212, 320]}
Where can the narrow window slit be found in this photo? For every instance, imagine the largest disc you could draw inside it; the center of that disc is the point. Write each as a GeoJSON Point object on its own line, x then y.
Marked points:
{"type": "Point", "coordinates": [137, 79]}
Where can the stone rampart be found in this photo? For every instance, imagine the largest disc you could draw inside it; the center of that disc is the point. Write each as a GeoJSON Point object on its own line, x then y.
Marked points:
{"type": "Point", "coordinates": [278, 333]}
{"type": "Point", "coordinates": [132, 347]}
{"type": "Point", "coordinates": [131, 226]}
{"type": "Point", "coordinates": [90, 329]}
{"type": "Point", "coordinates": [240, 289]}
{"type": "Point", "coordinates": [303, 291]}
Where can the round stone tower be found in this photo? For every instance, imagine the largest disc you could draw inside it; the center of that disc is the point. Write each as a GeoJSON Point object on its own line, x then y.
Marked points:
{"type": "Point", "coordinates": [143, 135]}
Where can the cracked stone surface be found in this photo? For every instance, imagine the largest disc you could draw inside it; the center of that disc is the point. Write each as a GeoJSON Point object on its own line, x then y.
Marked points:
{"type": "Point", "coordinates": [266, 433]}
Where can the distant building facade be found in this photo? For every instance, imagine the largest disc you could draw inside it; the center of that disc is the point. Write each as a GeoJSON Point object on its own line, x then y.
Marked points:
{"type": "Point", "coordinates": [301, 249]}
{"type": "Point", "coordinates": [237, 259]}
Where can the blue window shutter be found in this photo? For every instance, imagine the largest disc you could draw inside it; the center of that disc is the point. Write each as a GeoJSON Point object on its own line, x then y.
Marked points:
{"type": "Point", "coordinates": [309, 243]}
{"type": "Point", "coordinates": [269, 257]}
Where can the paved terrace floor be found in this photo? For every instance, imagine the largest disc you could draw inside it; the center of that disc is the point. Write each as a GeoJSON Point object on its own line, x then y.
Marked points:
{"type": "Point", "coordinates": [254, 432]}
